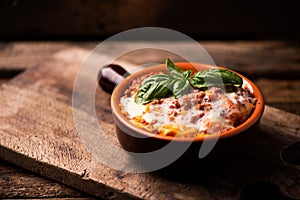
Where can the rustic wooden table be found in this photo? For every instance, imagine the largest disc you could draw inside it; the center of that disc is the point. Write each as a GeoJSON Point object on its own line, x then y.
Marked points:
{"type": "Point", "coordinates": [273, 65]}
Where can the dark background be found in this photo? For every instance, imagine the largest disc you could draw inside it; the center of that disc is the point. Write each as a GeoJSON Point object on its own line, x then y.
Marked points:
{"type": "Point", "coordinates": [98, 19]}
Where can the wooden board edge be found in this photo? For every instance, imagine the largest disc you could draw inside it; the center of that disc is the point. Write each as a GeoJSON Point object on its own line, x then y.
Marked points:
{"type": "Point", "coordinates": [63, 176]}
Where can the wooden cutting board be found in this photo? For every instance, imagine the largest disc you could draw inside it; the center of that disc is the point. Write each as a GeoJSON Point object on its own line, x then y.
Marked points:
{"type": "Point", "coordinates": [37, 132]}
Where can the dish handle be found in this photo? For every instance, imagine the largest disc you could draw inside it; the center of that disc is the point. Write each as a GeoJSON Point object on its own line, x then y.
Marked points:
{"type": "Point", "coordinates": [110, 75]}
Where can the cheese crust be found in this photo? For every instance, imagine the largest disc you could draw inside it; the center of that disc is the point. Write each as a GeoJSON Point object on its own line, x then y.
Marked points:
{"type": "Point", "coordinates": [199, 112]}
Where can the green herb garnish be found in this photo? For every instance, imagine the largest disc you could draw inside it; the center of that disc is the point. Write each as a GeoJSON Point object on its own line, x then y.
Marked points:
{"type": "Point", "coordinates": [154, 87]}
{"type": "Point", "coordinates": [179, 82]}
{"type": "Point", "coordinates": [215, 76]}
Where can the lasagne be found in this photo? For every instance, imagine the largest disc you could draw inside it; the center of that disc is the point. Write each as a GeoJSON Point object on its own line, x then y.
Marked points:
{"type": "Point", "coordinates": [198, 112]}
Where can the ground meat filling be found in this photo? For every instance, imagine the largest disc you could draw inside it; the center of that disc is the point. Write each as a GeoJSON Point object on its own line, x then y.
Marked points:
{"type": "Point", "coordinates": [199, 112]}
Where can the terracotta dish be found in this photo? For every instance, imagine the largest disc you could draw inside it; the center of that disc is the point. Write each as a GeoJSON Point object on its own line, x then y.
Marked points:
{"type": "Point", "coordinates": [152, 141]}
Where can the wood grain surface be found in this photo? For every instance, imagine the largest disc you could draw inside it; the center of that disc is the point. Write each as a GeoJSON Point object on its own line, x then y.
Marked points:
{"type": "Point", "coordinates": [37, 132]}
{"type": "Point", "coordinates": [17, 183]}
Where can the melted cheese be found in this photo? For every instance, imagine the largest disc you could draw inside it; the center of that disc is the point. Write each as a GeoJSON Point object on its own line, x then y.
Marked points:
{"type": "Point", "coordinates": [223, 112]}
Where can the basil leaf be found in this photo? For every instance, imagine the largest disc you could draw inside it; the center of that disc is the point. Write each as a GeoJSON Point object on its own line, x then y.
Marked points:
{"type": "Point", "coordinates": [154, 87]}
{"type": "Point", "coordinates": [174, 70]}
{"type": "Point", "coordinates": [187, 73]}
{"type": "Point", "coordinates": [179, 82]}
{"type": "Point", "coordinates": [230, 77]}
{"type": "Point", "coordinates": [196, 80]}
{"type": "Point", "coordinates": [181, 87]}
{"type": "Point", "coordinates": [215, 76]}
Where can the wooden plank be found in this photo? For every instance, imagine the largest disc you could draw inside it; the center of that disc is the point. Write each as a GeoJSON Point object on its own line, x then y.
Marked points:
{"type": "Point", "coordinates": [257, 59]}
{"type": "Point", "coordinates": [16, 183]}
{"type": "Point", "coordinates": [279, 91]}
{"type": "Point", "coordinates": [17, 56]}
{"type": "Point", "coordinates": [283, 94]}
{"type": "Point", "coordinates": [19, 183]}
{"type": "Point", "coordinates": [274, 59]}
{"type": "Point", "coordinates": [289, 107]}
{"type": "Point", "coordinates": [50, 146]}
{"type": "Point", "coordinates": [254, 58]}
